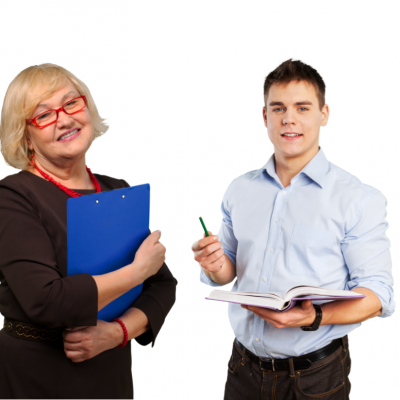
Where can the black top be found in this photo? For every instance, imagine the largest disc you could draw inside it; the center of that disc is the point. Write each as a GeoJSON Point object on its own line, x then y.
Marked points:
{"type": "Point", "coordinates": [35, 289]}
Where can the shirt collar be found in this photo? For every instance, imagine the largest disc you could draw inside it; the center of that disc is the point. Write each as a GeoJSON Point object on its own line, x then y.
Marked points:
{"type": "Point", "coordinates": [316, 169]}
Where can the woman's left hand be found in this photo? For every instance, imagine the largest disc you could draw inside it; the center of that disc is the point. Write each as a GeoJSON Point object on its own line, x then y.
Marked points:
{"type": "Point", "coordinates": [83, 343]}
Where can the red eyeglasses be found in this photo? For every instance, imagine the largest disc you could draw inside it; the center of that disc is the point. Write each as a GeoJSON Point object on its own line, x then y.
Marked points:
{"type": "Point", "coordinates": [49, 117]}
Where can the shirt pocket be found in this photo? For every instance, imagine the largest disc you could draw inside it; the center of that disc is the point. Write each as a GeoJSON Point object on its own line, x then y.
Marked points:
{"type": "Point", "coordinates": [309, 250]}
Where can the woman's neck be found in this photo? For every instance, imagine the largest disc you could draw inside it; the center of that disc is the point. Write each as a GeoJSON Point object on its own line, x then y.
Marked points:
{"type": "Point", "coordinates": [72, 175]}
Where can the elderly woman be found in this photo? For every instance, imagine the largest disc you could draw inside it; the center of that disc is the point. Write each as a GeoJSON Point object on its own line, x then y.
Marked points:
{"type": "Point", "coordinates": [52, 345]}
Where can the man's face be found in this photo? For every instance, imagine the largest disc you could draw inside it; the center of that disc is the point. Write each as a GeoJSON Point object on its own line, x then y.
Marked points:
{"type": "Point", "coordinates": [293, 118]}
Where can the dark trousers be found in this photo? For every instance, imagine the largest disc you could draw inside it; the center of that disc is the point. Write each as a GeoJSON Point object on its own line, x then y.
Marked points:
{"type": "Point", "coordinates": [326, 379]}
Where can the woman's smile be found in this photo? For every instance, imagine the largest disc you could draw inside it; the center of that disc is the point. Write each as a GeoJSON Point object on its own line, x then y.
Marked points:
{"type": "Point", "coordinates": [69, 135]}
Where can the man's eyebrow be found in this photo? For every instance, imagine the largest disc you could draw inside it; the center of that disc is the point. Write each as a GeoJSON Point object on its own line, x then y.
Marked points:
{"type": "Point", "coordinates": [299, 103]}
{"type": "Point", "coordinates": [304, 103]}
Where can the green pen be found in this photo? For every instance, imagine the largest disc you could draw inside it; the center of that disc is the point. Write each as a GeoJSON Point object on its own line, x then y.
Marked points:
{"type": "Point", "coordinates": [204, 227]}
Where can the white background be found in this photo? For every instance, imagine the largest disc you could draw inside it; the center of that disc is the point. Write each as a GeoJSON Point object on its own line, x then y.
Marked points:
{"type": "Point", "coordinates": [181, 85]}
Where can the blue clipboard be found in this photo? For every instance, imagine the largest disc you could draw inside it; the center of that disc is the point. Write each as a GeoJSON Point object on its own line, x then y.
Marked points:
{"type": "Point", "coordinates": [104, 231]}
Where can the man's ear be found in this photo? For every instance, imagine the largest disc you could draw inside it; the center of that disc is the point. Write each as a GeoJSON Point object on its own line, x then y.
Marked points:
{"type": "Point", "coordinates": [265, 116]}
{"type": "Point", "coordinates": [325, 115]}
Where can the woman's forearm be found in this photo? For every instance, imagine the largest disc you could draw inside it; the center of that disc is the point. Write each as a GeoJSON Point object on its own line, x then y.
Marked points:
{"type": "Point", "coordinates": [114, 284]}
{"type": "Point", "coordinates": [136, 323]}
{"type": "Point", "coordinates": [148, 260]}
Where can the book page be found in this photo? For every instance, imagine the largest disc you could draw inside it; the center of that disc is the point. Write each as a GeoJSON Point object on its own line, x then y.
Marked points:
{"type": "Point", "coordinates": [238, 298]}
{"type": "Point", "coordinates": [261, 294]}
{"type": "Point", "coordinates": [304, 290]}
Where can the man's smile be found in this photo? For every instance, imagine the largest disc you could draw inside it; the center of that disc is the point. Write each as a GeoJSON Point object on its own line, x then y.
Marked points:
{"type": "Point", "coordinates": [291, 135]}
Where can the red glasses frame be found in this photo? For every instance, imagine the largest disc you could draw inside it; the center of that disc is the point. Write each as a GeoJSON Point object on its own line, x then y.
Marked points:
{"type": "Point", "coordinates": [57, 110]}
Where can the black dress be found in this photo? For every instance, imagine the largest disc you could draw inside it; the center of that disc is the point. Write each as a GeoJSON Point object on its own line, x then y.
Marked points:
{"type": "Point", "coordinates": [35, 289]}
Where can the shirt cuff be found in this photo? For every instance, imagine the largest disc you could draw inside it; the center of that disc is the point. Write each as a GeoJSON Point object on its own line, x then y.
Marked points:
{"type": "Point", "coordinates": [382, 290]}
{"type": "Point", "coordinates": [155, 316]}
{"type": "Point", "coordinates": [87, 299]}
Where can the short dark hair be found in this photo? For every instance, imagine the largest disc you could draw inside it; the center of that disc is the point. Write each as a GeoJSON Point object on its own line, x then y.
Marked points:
{"type": "Point", "coordinates": [290, 71]}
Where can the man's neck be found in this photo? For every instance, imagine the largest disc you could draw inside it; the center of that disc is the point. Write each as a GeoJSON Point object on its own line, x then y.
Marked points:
{"type": "Point", "coordinates": [288, 167]}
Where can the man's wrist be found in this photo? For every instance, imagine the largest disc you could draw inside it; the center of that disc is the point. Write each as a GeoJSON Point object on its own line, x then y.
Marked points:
{"type": "Point", "coordinates": [317, 320]}
{"type": "Point", "coordinates": [216, 276]}
{"type": "Point", "coordinates": [312, 317]}
{"type": "Point", "coordinates": [325, 315]}
{"type": "Point", "coordinates": [214, 273]}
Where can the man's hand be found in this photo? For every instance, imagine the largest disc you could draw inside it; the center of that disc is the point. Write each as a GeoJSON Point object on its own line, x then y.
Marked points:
{"type": "Point", "coordinates": [83, 343]}
{"type": "Point", "coordinates": [208, 252]}
{"type": "Point", "coordinates": [333, 313]}
{"type": "Point", "coordinates": [302, 314]}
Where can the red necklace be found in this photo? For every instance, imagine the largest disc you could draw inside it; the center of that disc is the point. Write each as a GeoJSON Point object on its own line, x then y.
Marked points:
{"type": "Point", "coordinates": [65, 189]}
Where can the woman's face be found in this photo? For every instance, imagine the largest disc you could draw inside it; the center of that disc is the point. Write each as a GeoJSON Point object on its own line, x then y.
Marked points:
{"type": "Point", "coordinates": [49, 144]}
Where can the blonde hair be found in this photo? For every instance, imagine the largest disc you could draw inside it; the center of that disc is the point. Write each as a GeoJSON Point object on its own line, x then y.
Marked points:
{"type": "Point", "coordinates": [25, 92]}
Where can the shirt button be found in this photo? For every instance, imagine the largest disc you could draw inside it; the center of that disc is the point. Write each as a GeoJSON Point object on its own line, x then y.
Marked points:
{"type": "Point", "coordinates": [283, 192]}
{"type": "Point", "coordinates": [257, 339]}
{"type": "Point", "coordinates": [276, 219]}
{"type": "Point", "coordinates": [271, 250]}
{"type": "Point", "coordinates": [265, 279]}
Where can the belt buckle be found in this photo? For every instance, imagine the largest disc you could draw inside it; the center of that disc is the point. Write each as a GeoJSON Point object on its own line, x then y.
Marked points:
{"type": "Point", "coordinates": [267, 359]}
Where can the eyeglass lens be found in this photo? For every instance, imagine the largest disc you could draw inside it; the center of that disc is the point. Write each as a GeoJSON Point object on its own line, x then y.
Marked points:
{"type": "Point", "coordinates": [50, 116]}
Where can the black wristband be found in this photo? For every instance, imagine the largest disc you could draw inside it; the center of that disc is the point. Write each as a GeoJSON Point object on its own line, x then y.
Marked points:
{"type": "Point", "coordinates": [317, 320]}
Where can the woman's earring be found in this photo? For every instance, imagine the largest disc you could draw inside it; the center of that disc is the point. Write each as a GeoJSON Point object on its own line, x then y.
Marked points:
{"type": "Point", "coordinates": [32, 163]}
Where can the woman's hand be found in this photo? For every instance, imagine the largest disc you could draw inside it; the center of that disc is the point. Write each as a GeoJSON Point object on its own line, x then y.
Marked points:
{"type": "Point", "coordinates": [83, 343]}
{"type": "Point", "coordinates": [149, 258]}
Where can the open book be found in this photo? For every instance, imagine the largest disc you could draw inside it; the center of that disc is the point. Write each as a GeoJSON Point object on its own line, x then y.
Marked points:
{"type": "Point", "coordinates": [277, 302]}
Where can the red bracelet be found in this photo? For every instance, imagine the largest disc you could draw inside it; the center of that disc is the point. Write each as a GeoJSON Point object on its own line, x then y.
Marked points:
{"type": "Point", "coordinates": [125, 332]}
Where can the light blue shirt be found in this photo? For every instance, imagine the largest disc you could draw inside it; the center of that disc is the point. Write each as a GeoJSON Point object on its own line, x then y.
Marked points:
{"type": "Point", "coordinates": [325, 229]}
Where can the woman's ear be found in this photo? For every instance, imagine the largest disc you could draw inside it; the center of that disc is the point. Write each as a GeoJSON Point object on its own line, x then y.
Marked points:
{"type": "Point", "coordinates": [28, 141]}
{"type": "Point", "coordinates": [30, 146]}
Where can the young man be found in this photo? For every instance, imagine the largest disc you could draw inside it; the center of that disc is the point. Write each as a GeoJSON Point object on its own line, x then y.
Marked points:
{"type": "Point", "coordinates": [298, 220]}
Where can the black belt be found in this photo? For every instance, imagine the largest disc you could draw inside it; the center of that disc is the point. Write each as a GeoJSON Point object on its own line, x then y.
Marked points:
{"type": "Point", "coordinates": [35, 333]}
{"type": "Point", "coordinates": [302, 362]}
